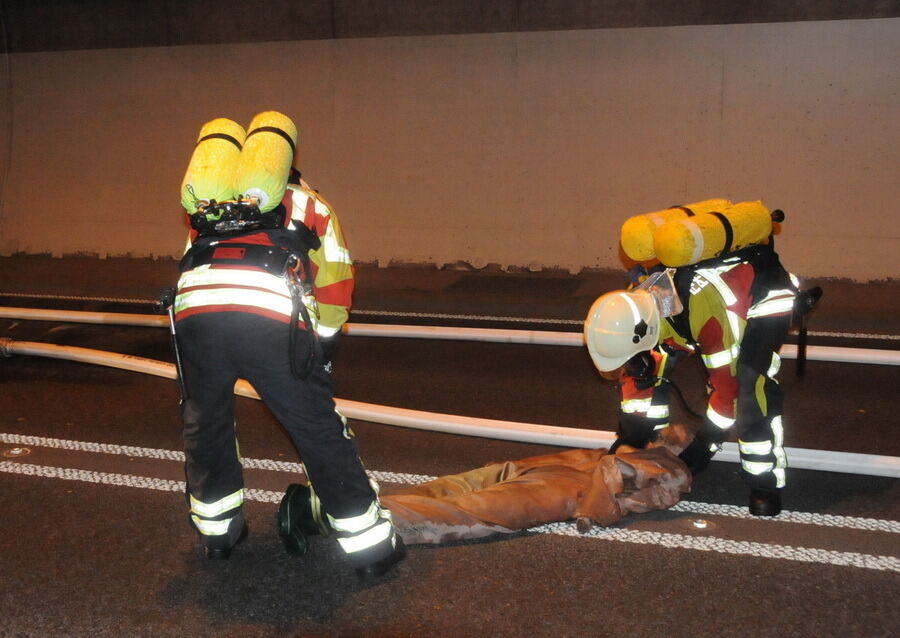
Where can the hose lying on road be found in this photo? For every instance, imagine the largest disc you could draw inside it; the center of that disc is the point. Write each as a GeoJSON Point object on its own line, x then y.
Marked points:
{"type": "Point", "coordinates": [535, 337]}
{"type": "Point", "coordinates": [823, 460]}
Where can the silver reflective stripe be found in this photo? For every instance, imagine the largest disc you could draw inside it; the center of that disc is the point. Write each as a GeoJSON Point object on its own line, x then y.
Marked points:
{"type": "Point", "coordinates": [632, 406]}
{"type": "Point", "coordinates": [355, 524]}
{"type": "Point", "coordinates": [661, 426]}
{"type": "Point", "coordinates": [756, 467]}
{"type": "Point", "coordinates": [367, 539]}
{"type": "Point", "coordinates": [734, 321]}
{"type": "Point", "coordinates": [334, 252]}
{"type": "Point", "coordinates": [774, 367]}
{"type": "Point", "coordinates": [206, 276]}
{"type": "Point", "coordinates": [723, 422]}
{"type": "Point", "coordinates": [713, 276]}
{"type": "Point", "coordinates": [658, 411]}
{"type": "Point", "coordinates": [780, 479]}
{"type": "Point", "coordinates": [775, 303]}
{"type": "Point", "coordinates": [274, 302]}
{"type": "Point", "coordinates": [211, 528]}
{"type": "Point", "coordinates": [721, 359]}
{"type": "Point", "coordinates": [755, 447]}
{"type": "Point", "coordinates": [778, 449]}
{"type": "Point", "coordinates": [327, 331]}
{"type": "Point", "coordinates": [211, 510]}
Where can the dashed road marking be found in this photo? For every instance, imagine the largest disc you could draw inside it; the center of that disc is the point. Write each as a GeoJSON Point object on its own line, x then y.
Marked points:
{"type": "Point", "coordinates": [672, 541]}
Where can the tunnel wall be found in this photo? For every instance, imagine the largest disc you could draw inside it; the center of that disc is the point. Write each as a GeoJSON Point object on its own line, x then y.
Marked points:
{"type": "Point", "coordinates": [523, 149]}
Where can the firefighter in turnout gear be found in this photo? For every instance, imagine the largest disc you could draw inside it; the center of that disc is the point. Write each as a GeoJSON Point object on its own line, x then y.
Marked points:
{"type": "Point", "coordinates": [734, 311]}
{"type": "Point", "coordinates": [265, 287]}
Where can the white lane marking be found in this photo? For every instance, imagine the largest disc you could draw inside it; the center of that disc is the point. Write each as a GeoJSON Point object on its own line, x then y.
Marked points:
{"type": "Point", "coordinates": [692, 507]}
{"type": "Point", "coordinates": [174, 455]}
{"type": "Point", "coordinates": [802, 518]}
{"type": "Point", "coordinates": [727, 546]}
{"type": "Point", "coordinates": [672, 541]}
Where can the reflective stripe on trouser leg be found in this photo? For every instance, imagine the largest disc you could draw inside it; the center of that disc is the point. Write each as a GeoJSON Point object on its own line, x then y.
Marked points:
{"type": "Point", "coordinates": [365, 538]}
{"type": "Point", "coordinates": [760, 403]}
{"type": "Point", "coordinates": [763, 460]}
{"type": "Point", "coordinates": [213, 519]}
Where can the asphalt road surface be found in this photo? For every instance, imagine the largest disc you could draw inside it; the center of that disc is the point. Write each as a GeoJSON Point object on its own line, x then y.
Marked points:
{"type": "Point", "coordinates": [95, 540]}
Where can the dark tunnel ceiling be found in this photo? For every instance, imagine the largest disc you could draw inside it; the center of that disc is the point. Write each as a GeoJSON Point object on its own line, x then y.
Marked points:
{"type": "Point", "coordinates": [54, 25]}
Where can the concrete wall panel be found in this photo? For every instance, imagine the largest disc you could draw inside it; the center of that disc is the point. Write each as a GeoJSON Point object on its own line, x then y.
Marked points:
{"type": "Point", "coordinates": [522, 149]}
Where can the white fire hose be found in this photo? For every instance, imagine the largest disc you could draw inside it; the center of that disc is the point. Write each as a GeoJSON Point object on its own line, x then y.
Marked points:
{"type": "Point", "coordinates": [821, 460]}
{"type": "Point", "coordinates": [534, 337]}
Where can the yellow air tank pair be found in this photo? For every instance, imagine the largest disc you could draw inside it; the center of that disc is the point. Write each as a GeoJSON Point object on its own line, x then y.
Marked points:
{"type": "Point", "coordinates": [684, 235]}
{"type": "Point", "coordinates": [229, 163]}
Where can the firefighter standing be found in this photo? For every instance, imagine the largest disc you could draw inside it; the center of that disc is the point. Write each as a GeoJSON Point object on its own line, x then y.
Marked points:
{"type": "Point", "coordinates": [735, 312]}
{"type": "Point", "coordinates": [263, 298]}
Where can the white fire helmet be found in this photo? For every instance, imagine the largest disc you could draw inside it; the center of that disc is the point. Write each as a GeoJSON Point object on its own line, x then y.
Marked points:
{"type": "Point", "coordinates": [619, 325]}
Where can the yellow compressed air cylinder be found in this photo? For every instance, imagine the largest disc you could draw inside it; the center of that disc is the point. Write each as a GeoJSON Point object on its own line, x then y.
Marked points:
{"type": "Point", "coordinates": [686, 241]}
{"type": "Point", "coordinates": [265, 162]}
{"type": "Point", "coordinates": [210, 173]}
{"type": "Point", "coordinates": [637, 232]}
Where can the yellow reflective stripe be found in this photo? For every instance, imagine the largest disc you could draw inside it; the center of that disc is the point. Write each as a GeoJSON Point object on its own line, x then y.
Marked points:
{"type": "Point", "coordinates": [755, 447]}
{"type": "Point", "coordinates": [721, 359]}
{"type": "Point", "coordinates": [774, 367]}
{"type": "Point", "coordinates": [632, 406]}
{"type": "Point", "coordinates": [756, 467]}
{"type": "Point", "coordinates": [210, 510]}
{"type": "Point", "coordinates": [723, 422]}
{"type": "Point", "coordinates": [355, 524]}
{"type": "Point", "coordinates": [367, 539]}
{"type": "Point", "coordinates": [211, 528]}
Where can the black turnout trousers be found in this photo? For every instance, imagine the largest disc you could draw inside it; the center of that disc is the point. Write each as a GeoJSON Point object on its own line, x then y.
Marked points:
{"type": "Point", "coordinates": [220, 347]}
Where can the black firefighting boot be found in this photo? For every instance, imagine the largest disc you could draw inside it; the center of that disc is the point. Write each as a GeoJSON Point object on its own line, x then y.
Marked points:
{"type": "Point", "coordinates": [765, 502]}
{"type": "Point", "coordinates": [293, 509]}
{"type": "Point", "coordinates": [219, 547]}
{"type": "Point", "coordinates": [379, 568]}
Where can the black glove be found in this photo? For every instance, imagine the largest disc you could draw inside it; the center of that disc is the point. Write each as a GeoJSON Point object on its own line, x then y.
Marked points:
{"type": "Point", "coordinates": [698, 454]}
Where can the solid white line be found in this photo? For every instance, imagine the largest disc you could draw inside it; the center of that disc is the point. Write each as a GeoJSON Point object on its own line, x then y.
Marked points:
{"type": "Point", "coordinates": [693, 507]}
{"type": "Point", "coordinates": [675, 541]}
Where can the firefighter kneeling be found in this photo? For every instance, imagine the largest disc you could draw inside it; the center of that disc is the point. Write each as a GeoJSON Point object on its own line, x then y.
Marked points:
{"type": "Point", "coordinates": [260, 298]}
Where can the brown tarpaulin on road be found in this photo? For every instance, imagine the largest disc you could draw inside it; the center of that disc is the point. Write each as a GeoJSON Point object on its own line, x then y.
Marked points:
{"type": "Point", "coordinates": [516, 495]}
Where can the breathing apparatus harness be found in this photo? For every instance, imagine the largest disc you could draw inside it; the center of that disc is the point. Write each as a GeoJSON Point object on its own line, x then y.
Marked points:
{"type": "Point", "coordinates": [769, 274]}
{"type": "Point", "coordinates": [287, 257]}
